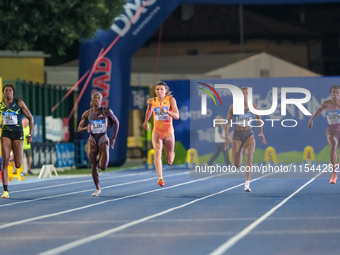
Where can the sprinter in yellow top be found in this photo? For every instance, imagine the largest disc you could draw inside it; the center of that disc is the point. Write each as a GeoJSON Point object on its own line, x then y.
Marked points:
{"type": "Point", "coordinates": [164, 109]}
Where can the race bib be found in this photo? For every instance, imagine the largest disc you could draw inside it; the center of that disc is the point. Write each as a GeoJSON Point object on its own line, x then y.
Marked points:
{"type": "Point", "coordinates": [10, 118]}
{"type": "Point", "coordinates": [333, 117]}
{"type": "Point", "coordinates": [242, 119]}
{"type": "Point", "coordinates": [160, 115]}
{"type": "Point", "coordinates": [98, 126]}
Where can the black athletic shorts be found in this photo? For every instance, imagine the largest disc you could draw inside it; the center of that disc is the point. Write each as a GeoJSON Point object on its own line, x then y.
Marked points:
{"type": "Point", "coordinates": [242, 135]}
{"type": "Point", "coordinates": [13, 135]}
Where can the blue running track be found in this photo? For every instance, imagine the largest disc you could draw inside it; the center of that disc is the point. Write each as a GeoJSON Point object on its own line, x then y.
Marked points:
{"type": "Point", "coordinates": [133, 215]}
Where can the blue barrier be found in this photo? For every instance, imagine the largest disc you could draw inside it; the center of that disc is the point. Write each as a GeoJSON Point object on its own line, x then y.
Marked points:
{"type": "Point", "coordinates": [80, 155]}
{"type": "Point", "coordinates": [65, 154]}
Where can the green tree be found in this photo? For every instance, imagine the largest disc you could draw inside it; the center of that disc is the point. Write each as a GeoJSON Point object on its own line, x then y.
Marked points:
{"type": "Point", "coordinates": [24, 24]}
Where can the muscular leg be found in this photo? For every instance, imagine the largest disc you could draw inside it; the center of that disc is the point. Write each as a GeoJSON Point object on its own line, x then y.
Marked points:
{"type": "Point", "coordinates": [237, 151]}
{"type": "Point", "coordinates": [157, 143]}
{"type": "Point", "coordinates": [17, 151]}
{"type": "Point", "coordinates": [169, 146]}
{"type": "Point", "coordinates": [104, 155]}
{"type": "Point", "coordinates": [249, 148]}
{"type": "Point", "coordinates": [93, 152]}
{"type": "Point", "coordinates": [333, 144]}
{"type": "Point", "coordinates": [6, 147]}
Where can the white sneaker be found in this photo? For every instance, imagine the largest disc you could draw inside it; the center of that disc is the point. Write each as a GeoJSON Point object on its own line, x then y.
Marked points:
{"type": "Point", "coordinates": [97, 192]}
{"type": "Point", "coordinates": [246, 186]}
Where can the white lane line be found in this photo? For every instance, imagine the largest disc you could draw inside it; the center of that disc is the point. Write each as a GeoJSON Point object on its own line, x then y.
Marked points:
{"type": "Point", "coordinates": [96, 222]}
{"type": "Point", "coordinates": [174, 234]}
{"type": "Point", "coordinates": [92, 205]}
{"type": "Point", "coordinates": [233, 240]}
{"type": "Point", "coordinates": [79, 242]}
{"type": "Point", "coordinates": [102, 173]}
{"type": "Point", "coordinates": [88, 190]}
{"type": "Point", "coordinates": [220, 233]}
{"type": "Point", "coordinates": [73, 183]}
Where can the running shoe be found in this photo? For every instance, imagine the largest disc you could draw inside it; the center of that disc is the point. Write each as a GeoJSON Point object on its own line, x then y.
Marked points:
{"type": "Point", "coordinates": [333, 179]}
{"type": "Point", "coordinates": [5, 195]}
{"type": "Point", "coordinates": [160, 181]}
{"type": "Point", "coordinates": [246, 186]}
{"type": "Point", "coordinates": [97, 192]}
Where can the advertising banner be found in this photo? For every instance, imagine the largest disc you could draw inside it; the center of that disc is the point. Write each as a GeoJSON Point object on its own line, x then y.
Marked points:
{"type": "Point", "coordinates": [285, 104]}
{"type": "Point", "coordinates": [65, 154]}
{"type": "Point", "coordinates": [43, 154]}
{"type": "Point", "coordinates": [38, 129]}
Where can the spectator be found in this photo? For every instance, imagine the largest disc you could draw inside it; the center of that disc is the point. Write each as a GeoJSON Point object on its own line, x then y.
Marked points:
{"type": "Point", "coordinates": [27, 146]}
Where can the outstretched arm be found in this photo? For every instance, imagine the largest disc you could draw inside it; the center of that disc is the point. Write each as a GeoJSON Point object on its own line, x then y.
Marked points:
{"type": "Point", "coordinates": [81, 127]}
{"type": "Point", "coordinates": [317, 113]}
{"type": "Point", "coordinates": [148, 114]}
{"type": "Point", "coordinates": [226, 128]}
{"type": "Point", "coordinates": [260, 124]}
{"type": "Point", "coordinates": [115, 121]}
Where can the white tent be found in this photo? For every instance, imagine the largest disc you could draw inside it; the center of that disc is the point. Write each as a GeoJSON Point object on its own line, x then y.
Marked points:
{"type": "Point", "coordinates": [261, 65]}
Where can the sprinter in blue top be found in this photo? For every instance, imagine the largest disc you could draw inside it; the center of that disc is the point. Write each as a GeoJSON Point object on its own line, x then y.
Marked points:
{"type": "Point", "coordinates": [12, 137]}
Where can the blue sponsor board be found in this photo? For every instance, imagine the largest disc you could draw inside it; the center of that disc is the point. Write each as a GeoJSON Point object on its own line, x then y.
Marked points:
{"type": "Point", "coordinates": [38, 129]}
{"type": "Point", "coordinates": [139, 98]}
{"type": "Point", "coordinates": [43, 154]}
{"type": "Point", "coordinates": [65, 154]}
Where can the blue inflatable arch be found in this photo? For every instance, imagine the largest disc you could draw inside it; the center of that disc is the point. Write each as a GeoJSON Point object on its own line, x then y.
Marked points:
{"type": "Point", "coordinates": [112, 75]}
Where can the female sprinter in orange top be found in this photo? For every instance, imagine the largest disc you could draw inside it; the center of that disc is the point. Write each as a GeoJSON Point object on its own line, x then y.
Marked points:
{"type": "Point", "coordinates": [332, 107]}
{"type": "Point", "coordinates": [164, 108]}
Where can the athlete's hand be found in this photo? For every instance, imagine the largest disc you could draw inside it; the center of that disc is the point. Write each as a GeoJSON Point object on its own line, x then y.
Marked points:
{"type": "Point", "coordinates": [310, 123]}
{"type": "Point", "coordinates": [112, 142]}
{"type": "Point", "coordinates": [89, 128]}
{"type": "Point", "coordinates": [163, 110]}
{"type": "Point", "coordinates": [226, 143]}
{"type": "Point", "coordinates": [263, 140]}
{"type": "Point", "coordinates": [29, 140]}
{"type": "Point", "coordinates": [146, 126]}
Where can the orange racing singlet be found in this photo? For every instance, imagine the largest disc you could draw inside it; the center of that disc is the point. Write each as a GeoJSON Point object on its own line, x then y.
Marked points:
{"type": "Point", "coordinates": [162, 122]}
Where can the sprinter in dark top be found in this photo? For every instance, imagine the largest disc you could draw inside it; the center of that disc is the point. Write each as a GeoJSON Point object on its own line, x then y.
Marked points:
{"type": "Point", "coordinates": [12, 137]}
{"type": "Point", "coordinates": [99, 120]}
